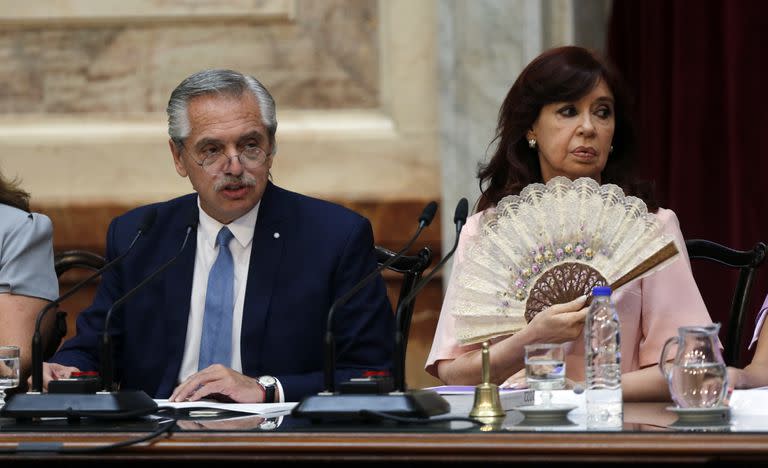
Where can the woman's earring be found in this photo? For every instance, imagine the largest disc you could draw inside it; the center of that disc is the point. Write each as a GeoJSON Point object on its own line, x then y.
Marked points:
{"type": "Point", "coordinates": [610, 150]}
{"type": "Point", "coordinates": [532, 143]}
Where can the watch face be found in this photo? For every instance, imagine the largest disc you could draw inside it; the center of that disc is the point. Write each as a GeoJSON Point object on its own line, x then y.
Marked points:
{"type": "Point", "coordinates": [268, 425]}
{"type": "Point", "coordinates": [267, 380]}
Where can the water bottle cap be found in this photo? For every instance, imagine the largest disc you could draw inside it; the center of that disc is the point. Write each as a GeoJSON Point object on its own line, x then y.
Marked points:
{"type": "Point", "coordinates": [601, 291]}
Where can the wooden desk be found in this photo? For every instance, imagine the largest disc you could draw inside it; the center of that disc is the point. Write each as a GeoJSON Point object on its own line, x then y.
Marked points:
{"type": "Point", "coordinates": [643, 440]}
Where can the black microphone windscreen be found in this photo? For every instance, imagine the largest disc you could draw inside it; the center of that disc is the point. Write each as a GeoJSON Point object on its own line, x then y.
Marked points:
{"type": "Point", "coordinates": [428, 214]}
{"type": "Point", "coordinates": [148, 220]}
{"type": "Point", "coordinates": [193, 218]}
{"type": "Point", "coordinates": [462, 210]}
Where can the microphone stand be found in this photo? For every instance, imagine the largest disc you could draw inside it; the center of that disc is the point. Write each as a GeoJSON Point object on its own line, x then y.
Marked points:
{"type": "Point", "coordinates": [404, 312]}
{"type": "Point", "coordinates": [107, 358]}
{"type": "Point", "coordinates": [330, 344]}
{"type": "Point", "coordinates": [37, 341]}
{"type": "Point", "coordinates": [418, 403]}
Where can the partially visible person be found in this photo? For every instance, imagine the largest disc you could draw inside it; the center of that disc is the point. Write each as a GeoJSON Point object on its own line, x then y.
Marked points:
{"type": "Point", "coordinates": [27, 278]}
{"type": "Point", "coordinates": [567, 115]}
{"type": "Point", "coordinates": [755, 374]}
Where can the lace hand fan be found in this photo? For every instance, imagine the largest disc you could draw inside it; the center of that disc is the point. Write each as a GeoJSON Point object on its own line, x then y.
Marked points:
{"type": "Point", "coordinates": [550, 245]}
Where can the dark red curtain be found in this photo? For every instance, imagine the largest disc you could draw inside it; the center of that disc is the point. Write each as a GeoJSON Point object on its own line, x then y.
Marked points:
{"type": "Point", "coordinates": [697, 70]}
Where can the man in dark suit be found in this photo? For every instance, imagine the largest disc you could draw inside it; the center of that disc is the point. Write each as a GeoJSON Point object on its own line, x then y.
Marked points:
{"type": "Point", "coordinates": [242, 312]}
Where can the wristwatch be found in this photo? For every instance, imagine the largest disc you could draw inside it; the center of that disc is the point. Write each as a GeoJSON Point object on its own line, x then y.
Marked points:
{"type": "Point", "coordinates": [269, 424]}
{"type": "Point", "coordinates": [269, 384]}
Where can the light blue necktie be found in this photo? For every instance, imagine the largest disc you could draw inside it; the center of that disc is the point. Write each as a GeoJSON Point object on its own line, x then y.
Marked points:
{"type": "Point", "coordinates": [216, 342]}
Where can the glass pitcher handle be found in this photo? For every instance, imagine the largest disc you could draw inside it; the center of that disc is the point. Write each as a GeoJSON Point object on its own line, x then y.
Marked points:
{"type": "Point", "coordinates": [663, 366]}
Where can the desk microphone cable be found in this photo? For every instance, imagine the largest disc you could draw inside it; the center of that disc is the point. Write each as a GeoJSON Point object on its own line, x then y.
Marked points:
{"type": "Point", "coordinates": [58, 447]}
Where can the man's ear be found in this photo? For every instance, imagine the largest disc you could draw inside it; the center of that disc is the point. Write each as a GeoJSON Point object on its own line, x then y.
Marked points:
{"type": "Point", "coordinates": [177, 162]}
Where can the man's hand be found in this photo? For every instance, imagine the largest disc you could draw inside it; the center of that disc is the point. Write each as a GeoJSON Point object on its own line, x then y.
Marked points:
{"type": "Point", "coordinates": [219, 381]}
{"type": "Point", "coordinates": [52, 371]}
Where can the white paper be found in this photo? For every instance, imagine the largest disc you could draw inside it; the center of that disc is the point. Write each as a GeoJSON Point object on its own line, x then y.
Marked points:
{"type": "Point", "coordinates": [271, 409]}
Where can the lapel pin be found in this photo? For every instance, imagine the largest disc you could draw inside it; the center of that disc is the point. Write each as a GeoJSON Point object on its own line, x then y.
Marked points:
{"type": "Point", "coordinates": [276, 235]}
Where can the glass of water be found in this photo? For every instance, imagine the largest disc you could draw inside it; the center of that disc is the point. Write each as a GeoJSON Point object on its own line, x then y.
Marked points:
{"type": "Point", "coordinates": [545, 369]}
{"type": "Point", "coordinates": [9, 370]}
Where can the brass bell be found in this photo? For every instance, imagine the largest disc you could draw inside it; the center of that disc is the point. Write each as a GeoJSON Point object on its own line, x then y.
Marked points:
{"type": "Point", "coordinates": [487, 407]}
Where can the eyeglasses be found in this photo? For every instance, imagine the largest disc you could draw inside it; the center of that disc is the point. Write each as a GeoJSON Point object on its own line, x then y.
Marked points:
{"type": "Point", "coordinates": [215, 161]}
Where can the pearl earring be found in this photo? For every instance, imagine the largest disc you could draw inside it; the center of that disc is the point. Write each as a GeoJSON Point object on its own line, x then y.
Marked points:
{"type": "Point", "coordinates": [610, 150]}
{"type": "Point", "coordinates": [532, 143]}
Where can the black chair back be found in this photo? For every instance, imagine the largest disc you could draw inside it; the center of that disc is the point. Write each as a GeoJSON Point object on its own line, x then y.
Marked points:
{"type": "Point", "coordinates": [747, 261]}
{"type": "Point", "coordinates": [62, 263]}
{"type": "Point", "coordinates": [411, 267]}
{"type": "Point", "coordinates": [67, 260]}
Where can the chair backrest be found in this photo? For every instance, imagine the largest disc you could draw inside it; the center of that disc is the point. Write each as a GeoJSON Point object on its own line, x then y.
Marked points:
{"type": "Point", "coordinates": [747, 261]}
{"type": "Point", "coordinates": [62, 263]}
{"type": "Point", "coordinates": [67, 260]}
{"type": "Point", "coordinates": [411, 267]}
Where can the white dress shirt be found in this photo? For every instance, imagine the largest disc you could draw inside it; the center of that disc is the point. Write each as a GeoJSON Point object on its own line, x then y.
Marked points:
{"type": "Point", "coordinates": [205, 255]}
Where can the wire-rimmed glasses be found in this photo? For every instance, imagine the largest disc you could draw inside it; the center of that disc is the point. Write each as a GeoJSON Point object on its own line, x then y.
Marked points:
{"type": "Point", "coordinates": [215, 160]}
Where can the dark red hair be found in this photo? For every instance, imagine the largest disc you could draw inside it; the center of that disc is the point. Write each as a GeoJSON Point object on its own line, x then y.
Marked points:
{"type": "Point", "coordinates": [558, 75]}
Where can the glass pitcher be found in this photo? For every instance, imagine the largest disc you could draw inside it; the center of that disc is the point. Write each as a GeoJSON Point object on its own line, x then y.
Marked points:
{"type": "Point", "coordinates": [697, 377]}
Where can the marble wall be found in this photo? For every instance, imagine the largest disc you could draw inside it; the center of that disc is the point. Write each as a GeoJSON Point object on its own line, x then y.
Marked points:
{"type": "Point", "coordinates": [323, 55]}
{"type": "Point", "coordinates": [354, 82]}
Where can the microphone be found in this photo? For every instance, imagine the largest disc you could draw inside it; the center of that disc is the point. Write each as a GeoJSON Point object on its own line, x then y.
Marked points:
{"type": "Point", "coordinates": [103, 404]}
{"type": "Point", "coordinates": [107, 358]}
{"type": "Point", "coordinates": [403, 314]}
{"type": "Point", "coordinates": [425, 219]}
{"type": "Point", "coordinates": [419, 403]}
{"type": "Point", "coordinates": [37, 343]}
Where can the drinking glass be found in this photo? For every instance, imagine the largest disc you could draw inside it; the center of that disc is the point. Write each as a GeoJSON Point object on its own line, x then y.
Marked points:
{"type": "Point", "coordinates": [9, 370]}
{"type": "Point", "coordinates": [545, 369]}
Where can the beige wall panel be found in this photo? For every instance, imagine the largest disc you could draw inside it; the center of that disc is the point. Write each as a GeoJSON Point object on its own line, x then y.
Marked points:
{"type": "Point", "coordinates": [343, 155]}
{"type": "Point", "coordinates": [102, 11]}
{"type": "Point", "coordinates": [82, 118]}
{"type": "Point", "coordinates": [320, 60]}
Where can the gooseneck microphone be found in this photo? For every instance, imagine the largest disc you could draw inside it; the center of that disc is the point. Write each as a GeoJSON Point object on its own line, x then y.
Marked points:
{"type": "Point", "coordinates": [37, 343]}
{"type": "Point", "coordinates": [403, 313]}
{"type": "Point", "coordinates": [425, 219]}
{"type": "Point", "coordinates": [352, 406]}
{"type": "Point", "coordinates": [107, 357]}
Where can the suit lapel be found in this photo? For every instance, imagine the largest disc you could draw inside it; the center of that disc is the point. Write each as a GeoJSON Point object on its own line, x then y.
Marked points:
{"type": "Point", "coordinates": [266, 256]}
{"type": "Point", "coordinates": [178, 291]}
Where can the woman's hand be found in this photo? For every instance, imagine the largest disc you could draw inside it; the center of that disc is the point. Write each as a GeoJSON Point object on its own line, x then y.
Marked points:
{"type": "Point", "coordinates": [559, 323]}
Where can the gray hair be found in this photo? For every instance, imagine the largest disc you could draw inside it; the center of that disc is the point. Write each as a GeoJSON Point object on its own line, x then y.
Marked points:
{"type": "Point", "coordinates": [217, 81]}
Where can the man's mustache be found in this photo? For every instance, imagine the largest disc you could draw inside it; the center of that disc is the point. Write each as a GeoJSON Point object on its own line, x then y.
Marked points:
{"type": "Point", "coordinates": [227, 180]}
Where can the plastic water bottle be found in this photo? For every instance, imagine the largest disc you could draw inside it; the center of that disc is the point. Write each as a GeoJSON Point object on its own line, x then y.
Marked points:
{"type": "Point", "coordinates": [603, 361]}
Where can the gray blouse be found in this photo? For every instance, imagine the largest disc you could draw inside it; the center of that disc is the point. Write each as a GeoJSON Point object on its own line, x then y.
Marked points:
{"type": "Point", "coordinates": [26, 254]}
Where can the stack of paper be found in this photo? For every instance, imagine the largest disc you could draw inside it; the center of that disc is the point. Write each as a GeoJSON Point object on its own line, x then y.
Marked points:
{"type": "Point", "coordinates": [462, 397]}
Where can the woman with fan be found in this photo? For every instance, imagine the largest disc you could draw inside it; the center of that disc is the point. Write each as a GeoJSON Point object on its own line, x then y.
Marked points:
{"type": "Point", "coordinates": [566, 115]}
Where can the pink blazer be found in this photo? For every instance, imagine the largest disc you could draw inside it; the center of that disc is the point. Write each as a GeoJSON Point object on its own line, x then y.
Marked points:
{"type": "Point", "coordinates": [650, 309]}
